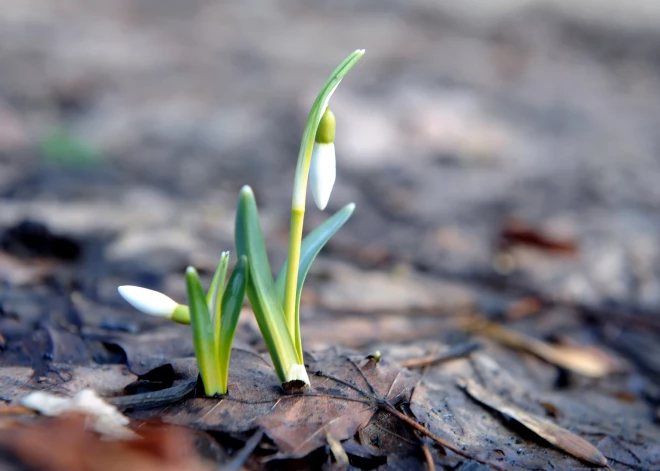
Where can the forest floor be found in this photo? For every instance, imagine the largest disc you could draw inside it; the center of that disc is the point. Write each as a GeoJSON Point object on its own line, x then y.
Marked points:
{"type": "Point", "coordinates": [504, 256]}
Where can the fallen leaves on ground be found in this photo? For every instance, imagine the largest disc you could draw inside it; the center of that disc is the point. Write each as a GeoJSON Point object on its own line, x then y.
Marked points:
{"type": "Point", "coordinates": [544, 428]}
{"type": "Point", "coordinates": [64, 379]}
{"type": "Point", "coordinates": [298, 424]}
{"type": "Point", "coordinates": [582, 359]}
{"type": "Point", "coordinates": [502, 441]}
{"type": "Point", "coordinates": [65, 444]}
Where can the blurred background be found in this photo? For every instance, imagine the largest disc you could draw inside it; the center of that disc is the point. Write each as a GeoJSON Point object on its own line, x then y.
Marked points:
{"type": "Point", "coordinates": [504, 157]}
{"type": "Point", "coordinates": [496, 151]}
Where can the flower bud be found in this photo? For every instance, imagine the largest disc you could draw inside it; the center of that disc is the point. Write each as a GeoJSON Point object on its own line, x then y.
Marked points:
{"type": "Point", "coordinates": [323, 167]}
{"type": "Point", "coordinates": [149, 301]}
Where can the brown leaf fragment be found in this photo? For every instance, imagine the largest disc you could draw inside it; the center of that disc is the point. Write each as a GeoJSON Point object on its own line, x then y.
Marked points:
{"type": "Point", "coordinates": [64, 444]}
{"type": "Point", "coordinates": [582, 359]}
{"type": "Point", "coordinates": [341, 458]}
{"type": "Point", "coordinates": [156, 347]}
{"type": "Point", "coordinates": [516, 232]}
{"type": "Point", "coordinates": [544, 428]}
{"type": "Point", "coordinates": [523, 308]}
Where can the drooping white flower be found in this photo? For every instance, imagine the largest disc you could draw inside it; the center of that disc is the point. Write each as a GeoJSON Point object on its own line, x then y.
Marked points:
{"type": "Point", "coordinates": [323, 167]}
{"type": "Point", "coordinates": [148, 301]}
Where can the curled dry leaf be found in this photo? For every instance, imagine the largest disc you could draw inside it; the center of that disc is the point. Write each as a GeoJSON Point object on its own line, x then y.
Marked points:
{"type": "Point", "coordinates": [585, 360]}
{"type": "Point", "coordinates": [544, 428]}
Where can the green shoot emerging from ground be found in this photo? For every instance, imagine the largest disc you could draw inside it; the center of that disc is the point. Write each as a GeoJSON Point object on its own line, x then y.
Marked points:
{"type": "Point", "coordinates": [213, 317]}
{"type": "Point", "coordinates": [276, 303]}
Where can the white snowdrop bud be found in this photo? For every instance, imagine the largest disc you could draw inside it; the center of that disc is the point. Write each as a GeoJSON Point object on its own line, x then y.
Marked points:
{"type": "Point", "coordinates": [323, 167]}
{"type": "Point", "coordinates": [148, 301]}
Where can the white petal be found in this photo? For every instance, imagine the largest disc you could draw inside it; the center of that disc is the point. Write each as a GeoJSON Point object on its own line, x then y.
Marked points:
{"type": "Point", "coordinates": [148, 301]}
{"type": "Point", "coordinates": [322, 173]}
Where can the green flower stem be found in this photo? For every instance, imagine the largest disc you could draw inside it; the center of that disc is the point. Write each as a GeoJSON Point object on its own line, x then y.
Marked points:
{"type": "Point", "coordinates": [297, 218]}
{"type": "Point", "coordinates": [310, 248]}
{"type": "Point", "coordinates": [300, 190]}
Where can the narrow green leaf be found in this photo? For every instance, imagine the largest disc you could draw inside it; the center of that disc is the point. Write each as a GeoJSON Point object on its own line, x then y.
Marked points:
{"type": "Point", "coordinates": [232, 302]}
{"type": "Point", "coordinates": [214, 293]}
{"type": "Point", "coordinates": [261, 288]}
{"type": "Point", "coordinates": [311, 246]}
{"type": "Point", "coordinates": [203, 337]}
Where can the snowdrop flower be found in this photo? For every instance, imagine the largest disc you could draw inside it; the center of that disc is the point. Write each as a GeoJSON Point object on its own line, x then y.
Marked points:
{"type": "Point", "coordinates": [323, 167]}
{"type": "Point", "coordinates": [154, 303]}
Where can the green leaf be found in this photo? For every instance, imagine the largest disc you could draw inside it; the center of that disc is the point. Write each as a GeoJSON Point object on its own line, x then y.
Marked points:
{"type": "Point", "coordinates": [203, 336]}
{"type": "Point", "coordinates": [311, 246]}
{"type": "Point", "coordinates": [215, 293]}
{"type": "Point", "coordinates": [261, 288]}
{"type": "Point", "coordinates": [232, 302]}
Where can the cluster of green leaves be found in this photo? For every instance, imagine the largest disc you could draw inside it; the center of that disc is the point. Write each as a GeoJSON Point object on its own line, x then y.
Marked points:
{"type": "Point", "coordinates": [214, 318]}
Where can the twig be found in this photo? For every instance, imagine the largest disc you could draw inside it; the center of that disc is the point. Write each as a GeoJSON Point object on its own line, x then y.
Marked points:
{"type": "Point", "coordinates": [388, 407]}
{"type": "Point", "coordinates": [454, 352]}
{"type": "Point", "coordinates": [430, 465]}
{"type": "Point", "coordinates": [236, 464]}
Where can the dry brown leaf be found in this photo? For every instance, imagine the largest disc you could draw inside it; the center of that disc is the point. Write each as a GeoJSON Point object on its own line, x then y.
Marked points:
{"type": "Point", "coordinates": [64, 444]}
{"type": "Point", "coordinates": [298, 424]}
{"type": "Point", "coordinates": [517, 232]}
{"type": "Point", "coordinates": [585, 360]}
{"type": "Point", "coordinates": [20, 272]}
{"type": "Point", "coordinates": [544, 428]}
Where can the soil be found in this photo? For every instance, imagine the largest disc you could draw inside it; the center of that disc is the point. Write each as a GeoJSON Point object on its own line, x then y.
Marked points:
{"type": "Point", "coordinates": [503, 157]}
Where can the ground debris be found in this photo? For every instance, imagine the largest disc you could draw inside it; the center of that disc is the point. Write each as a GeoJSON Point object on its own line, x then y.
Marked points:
{"type": "Point", "coordinates": [297, 424]}
{"type": "Point", "coordinates": [65, 444]}
{"type": "Point", "coordinates": [544, 428]}
{"type": "Point", "coordinates": [105, 419]}
{"type": "Point", "coordinates": [441, 403]}
{"type": "Point", "coordinates": [582, 359]}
